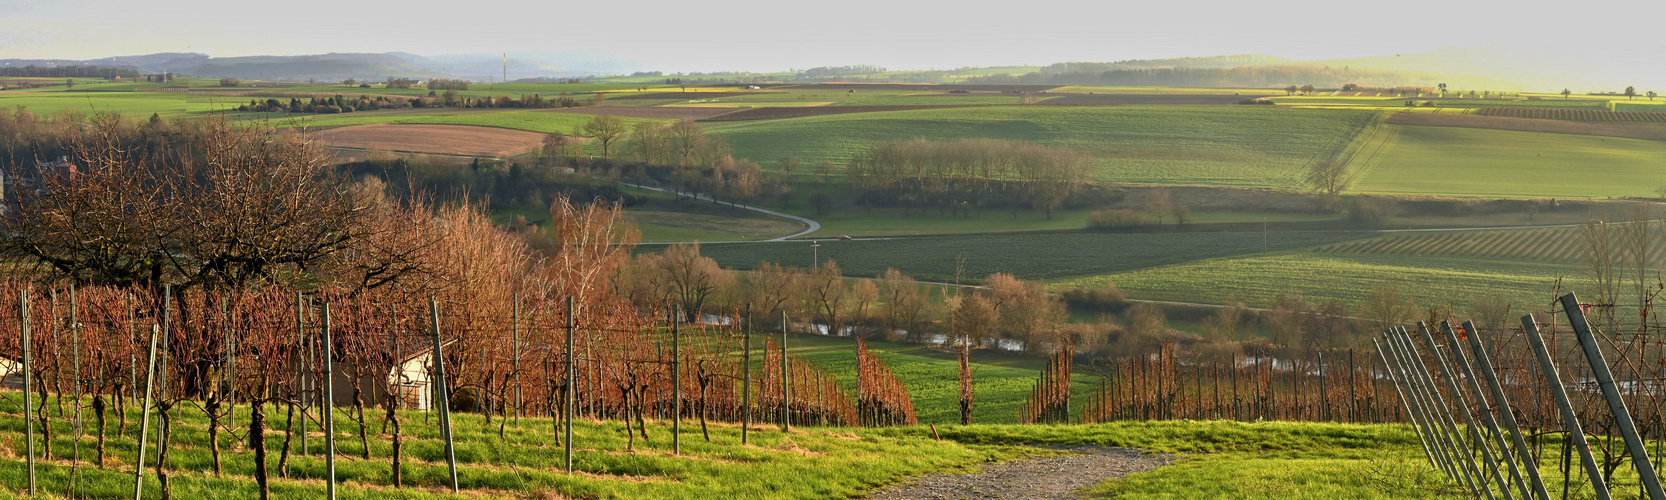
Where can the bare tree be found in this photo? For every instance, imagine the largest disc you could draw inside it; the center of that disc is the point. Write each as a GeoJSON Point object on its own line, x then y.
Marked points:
{"type": "Point", "coordinates": [1328, 178]}
{"type": "Point", "coordinates": [605, 129]}
{"type": "Point", "coordinates": [691, 279]}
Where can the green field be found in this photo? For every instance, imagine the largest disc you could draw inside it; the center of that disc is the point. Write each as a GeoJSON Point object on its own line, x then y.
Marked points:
{"type": "Point", "coordinates": [1241, 146]}
{"type": "Point", "coordinates": [1257, 280]}
{"type": "Point", "coordinates": [1262, 460]}
{"type": "Point", "coordinates": [1027, 256]}
{"type": "Point", "coordinates": [1550, 245]}
{"type": "Point", "coordinates": [1449, 161]}
{"type": "Point", "coordinates": [1000, 380]}
{"type": "Point", "coordinates": [881, 222]}
{"type": "Point", "coordinates": [131, 104]}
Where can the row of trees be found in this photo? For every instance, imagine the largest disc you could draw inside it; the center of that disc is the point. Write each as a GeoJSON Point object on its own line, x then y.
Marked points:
{"type": "Point", "coordinates": [891, 306]}
{"type": "Point", "coordinates": [1043, 176]}
{"type": "Point", "coordinates": [326, 105]}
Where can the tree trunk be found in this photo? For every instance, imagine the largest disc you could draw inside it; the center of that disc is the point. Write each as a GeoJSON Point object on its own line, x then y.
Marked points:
{"type": "Point", "coordinates": [393, 417]}
{"type": "Point", "coordinates": [257, 442]}
{"type": "Point", "coordinates": [288, 436]}
{"type": "Point", "coordinates": [162, 451]}
{"type": "Point", "coordinates": [213, 410]}
{"type": "Point", "coordinates": [358, 405]}
{"type": "Point", "coordinates": [98, 412]}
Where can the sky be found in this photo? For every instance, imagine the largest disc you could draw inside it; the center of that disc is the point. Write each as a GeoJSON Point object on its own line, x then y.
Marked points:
{"type": "Point", "coordinates": [771, 36]}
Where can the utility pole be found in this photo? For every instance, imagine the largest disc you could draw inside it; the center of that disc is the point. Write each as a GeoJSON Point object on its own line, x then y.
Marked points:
{"type": "Point", "coordinates": [815, 254]}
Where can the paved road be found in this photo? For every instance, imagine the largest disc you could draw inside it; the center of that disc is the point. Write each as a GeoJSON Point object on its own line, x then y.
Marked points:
{"type": "Point", "coordinates": [812, 226]}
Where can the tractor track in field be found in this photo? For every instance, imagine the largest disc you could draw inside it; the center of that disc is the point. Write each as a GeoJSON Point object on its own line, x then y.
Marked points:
{"type": "Point", "coordinates": [1031, 478]}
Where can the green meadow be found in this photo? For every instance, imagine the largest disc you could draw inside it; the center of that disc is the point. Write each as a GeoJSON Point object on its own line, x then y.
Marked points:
{"type": "Point", "coordinates": [1451, 161]}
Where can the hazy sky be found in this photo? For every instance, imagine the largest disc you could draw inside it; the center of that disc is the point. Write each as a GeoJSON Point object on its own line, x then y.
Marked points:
{"type": "Point", "coordinates": [762, 36]}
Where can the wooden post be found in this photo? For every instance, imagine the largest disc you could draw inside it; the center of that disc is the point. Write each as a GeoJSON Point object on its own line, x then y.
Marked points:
{"type": "Point", "coordinates": [1451, 442]}
{"type": "Point", "coordinates": [144, 421]}
{"type": "Point", "coordinates": [515, 327]}
{"type": "Point", "coordinates": [1421, 438]}
{"type": "Point", "coordinates": [301, 364]}
{"type": "Point", "coordinates": [676, 386]}
{"type": "Point", "coordinates": [162, 378]}
{"type": "Point", "coordinates": [1483, 364]}
{"type": "Point", "coordinates": [1486, 415]}
{"type": "Point", "coordinates": [786, 389]}
{"type": "Point", "coordinates": [75, 356]}
{"type": "Point", "coordinates": [231, 365]}
{"type": "Point", "coordinates": [1476, 435]}
{"type": "Point", "coordinates": [746, 376]}
{"type": "Point", "coordinates": [442, 394]}
{"type": "Point", "coordinates": [328, 349]}
{"type": "Point", "coordinates": [28, 387]}
{"type": "Point", "coordinates": [567, 409]}
{"type": "Point", "coordinates": [1461, 445]}
{"type": "Point", "coordinates": [1616, 403]}
{"type": "Point", "coordinates": [1576, 434]}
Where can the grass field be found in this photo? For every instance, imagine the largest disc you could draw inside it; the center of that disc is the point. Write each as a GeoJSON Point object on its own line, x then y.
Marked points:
{"type": "Point", "coordinates": [1000, 380]}
{"type": "Point", "coordinates": [1448, 161]}
{"type": "Point", "coordinates": [816, 463]}
{"type": "Point", "coordinates": [131, 104]}
{"type": "Point", "coordinates": [1218, 145]}
{"type": "Point", "coordinates": [1327, 460]}
{"type": "Point", "coordinates": [882, 222]}
{"type": "Point", "coordinates": [1257, 280]}
{"type": "Point", "coordinates": [1214, 459]}
{"type": "Point", "coordinates": [1550, 245]}
{"type": "Point", "coordinates": [1027, 256]}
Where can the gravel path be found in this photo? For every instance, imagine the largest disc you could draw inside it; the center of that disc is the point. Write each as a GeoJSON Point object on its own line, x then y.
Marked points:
{"type": "Point", "coordinates": [1032, 478]}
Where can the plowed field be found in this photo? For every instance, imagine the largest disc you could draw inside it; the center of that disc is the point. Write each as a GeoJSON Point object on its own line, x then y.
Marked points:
{"type": "Point", "coordinates": [444, 139]}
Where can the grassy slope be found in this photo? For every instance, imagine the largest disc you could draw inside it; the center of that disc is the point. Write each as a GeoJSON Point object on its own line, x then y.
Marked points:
{"type": "Point", "coordinates": [1220, 145]}
{"type": "Point", "coordinates": [1027, 256]}
{"type": "Point", "coordinates": [1256, 280]}
{"type": "Point", "coordinates": [1497, 163]}
{"type": "Point", "coordinates": [808, 464]}
{"type": "Point", "coordinates": [1000, 380]}
{"type": "Point", "coordinates": [1230, 459]}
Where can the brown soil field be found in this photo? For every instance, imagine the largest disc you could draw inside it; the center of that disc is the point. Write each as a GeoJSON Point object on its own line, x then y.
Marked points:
{"type": "Point", "coordinates": [677, 113]}
{"type": "Point", "coordinates": [1645, 131]}
{"type": "Point", "coordinates": [443, 139]}
{"type": "Point", "coordinates": [802, 111]}
{"type": "Point", "coordinates": [1584, 115]}
{"type": "Point", "coordinates": [920, 86]}
{"type": "Point", "coordinates": [1146, 99]}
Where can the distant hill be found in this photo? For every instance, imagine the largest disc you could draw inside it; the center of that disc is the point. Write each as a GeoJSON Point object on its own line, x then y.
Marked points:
{"type": "Point", "coordinates": [362, 66]}
{"type": "Point", "coordinates": [1505, 68]}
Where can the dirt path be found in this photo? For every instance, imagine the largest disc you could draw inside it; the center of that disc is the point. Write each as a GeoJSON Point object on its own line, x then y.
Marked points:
{"type": "Point", "coordinates": [1032, 478]}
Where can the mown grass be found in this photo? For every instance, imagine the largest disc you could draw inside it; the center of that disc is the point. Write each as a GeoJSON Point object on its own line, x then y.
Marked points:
{"type": "Point", "coordinates": [1257, 280]}
{"type": "Point", "coordinates": [132, 104]}
{"type": "Point", "coordinates": [1217, 459]}
{"type": "Point", "coordinates": [1245, 146]}
{"type": "Point", "coordinates": [1448, 161]}
{"type": "Point", "coordinates": [1027, 256]}
{"type": "Point", "coordinates": [525, 462]}
{"type": "Point", "coordinates": [1000, 380]}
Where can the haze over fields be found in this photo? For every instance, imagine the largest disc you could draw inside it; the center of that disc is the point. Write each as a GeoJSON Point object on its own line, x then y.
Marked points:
{"type": "Point", "coordinates": [1584, 47]}
{"type": "Point", "coordinates": [808, 250]}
